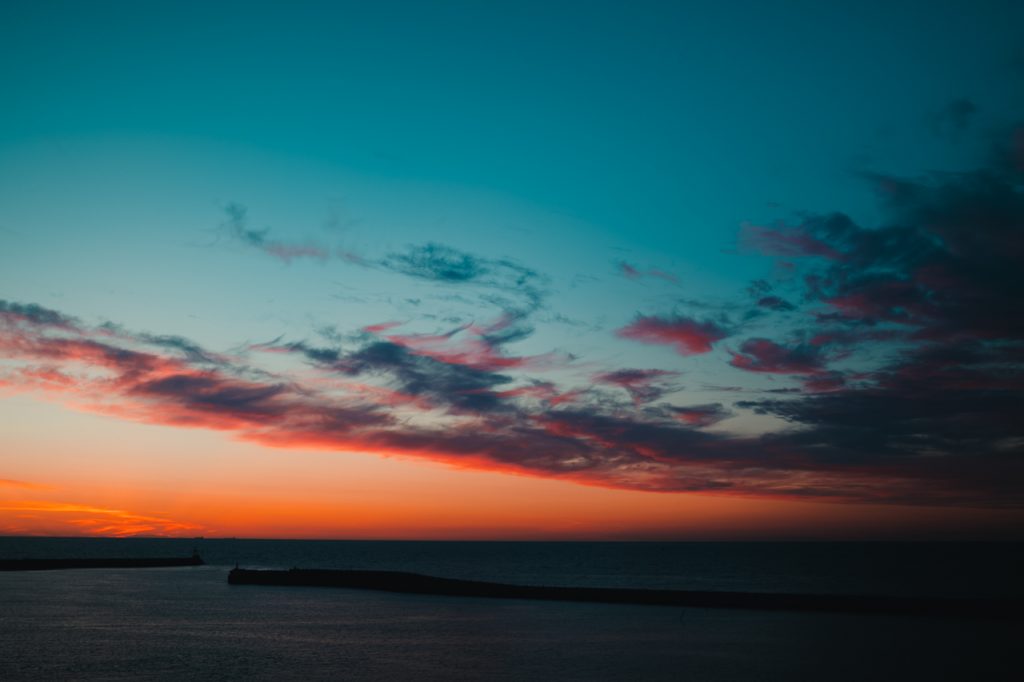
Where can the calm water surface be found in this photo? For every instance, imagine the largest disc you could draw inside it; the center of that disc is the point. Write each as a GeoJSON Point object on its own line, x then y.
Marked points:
{"type": "Point", "coordinates": [174, 623]}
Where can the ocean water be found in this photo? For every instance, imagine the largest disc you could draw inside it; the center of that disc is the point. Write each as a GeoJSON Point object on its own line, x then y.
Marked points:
{"type": "Point", "coordinates": [175, 623]}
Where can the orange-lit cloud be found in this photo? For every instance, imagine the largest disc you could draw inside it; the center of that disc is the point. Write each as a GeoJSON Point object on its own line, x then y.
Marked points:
{"type": "Point", "coordinates": [77, 519]}
{"type": "Point", "coordinates": [451, 409]}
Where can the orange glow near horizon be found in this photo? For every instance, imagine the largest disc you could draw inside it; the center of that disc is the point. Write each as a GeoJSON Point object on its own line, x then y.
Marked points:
{"type": "Point", "coordinates": [163, 481]}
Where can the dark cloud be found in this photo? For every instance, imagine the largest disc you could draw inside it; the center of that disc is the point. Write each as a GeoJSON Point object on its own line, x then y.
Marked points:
{"type": "Point", "coordinates": [192, 351]}
{"type": "Point", "coordinates": [437, 262]}
{"type": "Point", "coordinates": [946, 266]}
{"type": "Point", "coordinates": [213, 393]}
{"type": "Point", "coordinates": [317, 354]}
{"type": "Point", "coordinates": [952, 120]}
{"type": "Point", "coordinates": [820, 382]}
{"type": "Point", "coordinates": [762, 355]}
{"type": "Point", "coordinates": [957, 443]}
{"type": "Point", "coordinates": [762, 292]}
{"type": "Point", "coordinates": [775, 303]}
{"type": "Point", "coordinates": [701, 415]}
{"type": "Point", "coordinates": [1008, 151]}
{"type": "Point", "coordinates": [458, 387]}
{"type": "Point", "coordinates": [928, 300]}
{"type": "Point", "coordinates": [643, 385]}
{"type": "Point", "coordinates": [447, 265]}
{"type": "Point", "coordinates": [35, 314]}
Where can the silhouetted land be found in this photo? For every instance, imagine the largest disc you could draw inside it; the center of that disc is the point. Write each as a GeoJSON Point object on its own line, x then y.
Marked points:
{"type": "Point", "coordinates": [56, 564]}
{"type": "Point", "coordinates": [395, 581]}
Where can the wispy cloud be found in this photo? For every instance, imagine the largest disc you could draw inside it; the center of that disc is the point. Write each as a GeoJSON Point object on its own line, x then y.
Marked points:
{"type": "Point", "coordinates": [380, 397]}
{"type": "Point", "coordinates": [630, 271]}
{"type": "Point", "coordinates": [88, 520]}
{"type": "Point", "coordinates": [431, 262]}
{"type": "Point", "coordinates": [237, 225]}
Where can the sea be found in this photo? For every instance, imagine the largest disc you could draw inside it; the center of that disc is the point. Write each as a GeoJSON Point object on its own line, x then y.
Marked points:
{"type": "Point", "coordinates": [189, 623]}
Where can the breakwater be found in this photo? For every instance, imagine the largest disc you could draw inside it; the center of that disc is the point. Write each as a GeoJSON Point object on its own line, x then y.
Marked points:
{"type": "Point", "coordinates": [414, 583]}
{"type": "Point", "coordinates": [57, 564]}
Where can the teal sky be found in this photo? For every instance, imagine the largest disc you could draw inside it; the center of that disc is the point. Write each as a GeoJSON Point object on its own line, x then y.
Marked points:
{"type": "Point", "coordinates": [655, 129]}
{"type": "Point", "coordinates": [587, 178]}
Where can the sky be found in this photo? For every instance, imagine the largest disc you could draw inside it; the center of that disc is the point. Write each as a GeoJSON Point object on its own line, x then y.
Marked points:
{"type": "Point", "coordinates": [525, 270]}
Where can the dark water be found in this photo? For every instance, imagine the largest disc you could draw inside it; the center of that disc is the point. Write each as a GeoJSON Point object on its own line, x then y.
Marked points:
{"type": "Point", "coordinates": [951, 569]}
{"type": "Point", "coordinates": [123, 624]}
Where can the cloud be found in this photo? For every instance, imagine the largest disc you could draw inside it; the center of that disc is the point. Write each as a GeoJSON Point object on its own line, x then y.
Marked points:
{"type": "Point", "coordinates": [237, 226]}
{"type": "Point", "coordinates": [89, 520]}
{"type": "Point", "coordinates": [441, 263]}
{"type": "Point", "coordinates": [701, 415]}
{"type": "Point", "coordinates": [432, 262]}
{"type": "Point", "coordinates": [762, 355]}
{"type": "Point", "coordinates": [775, 303]}
{"type": "Point", "coordinates": [447, 265]}
{"type": "Point", "coordinates": [821, 382]}
{"type": "Point", "coordinates": [762, 292]}
{"type": "Point", "coordinates": [688, 336]}
{"type": "Point", "coordinates": [381, 397]}
{"type": "Point", "coordinates": [785, 241]}
{"type": "Point", "coordinates": [921, 309]}
{"type": "Point", "coordinates": [629, 271]}
{"type": "Point", "coordinates": [632, 272]}
{"type": "Point", "coordinates": [952, 121]}
{"type": "Point", "coordinates": [212, 393]}
{"type": "Point", "coordinates": [35, 314]}
{"type": "Point", "coordinates": [457, 386]}
{"type": "Point", "coordinates": [949, 433]}
{"type": "Point", "coordinates": [479, 347]}
{"type": "Point", "coordinates": [945, 266]}
{"type": "Point", "coordinates": [925, 305]}
{"type": "Point", "coordinates": [312, 353]}
{"type": "Point", "coordinates": [1008, 154]}
{"type": "Point", "coordinates": [643, 385]}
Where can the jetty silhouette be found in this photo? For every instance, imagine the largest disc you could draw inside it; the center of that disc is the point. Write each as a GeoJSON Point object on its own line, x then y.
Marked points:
{"type": "Point", "coordinates": [415, 583]}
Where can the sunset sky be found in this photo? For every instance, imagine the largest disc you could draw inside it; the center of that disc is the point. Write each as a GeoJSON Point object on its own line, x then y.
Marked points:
{"type": "Point", "coordinates": [525, 270]}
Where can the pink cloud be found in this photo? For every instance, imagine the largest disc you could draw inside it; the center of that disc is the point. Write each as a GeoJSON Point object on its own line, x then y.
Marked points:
{"type": "Point", "coordinates": [688, 336]}
{"type": "Point", "coordinates": [701, 415]}
{"type": "Point", "coordinates": [381, 327]}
